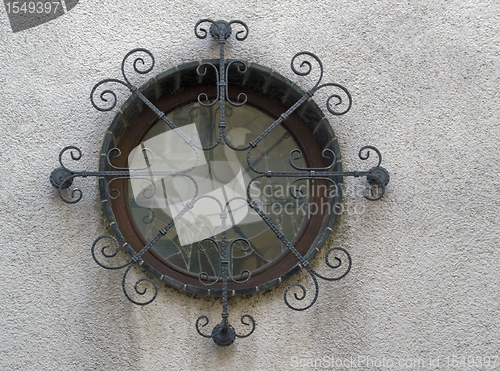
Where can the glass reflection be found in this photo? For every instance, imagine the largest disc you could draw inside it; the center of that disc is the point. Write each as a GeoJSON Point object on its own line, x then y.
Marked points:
{"type": "Point", "coordinates": [220, 174]}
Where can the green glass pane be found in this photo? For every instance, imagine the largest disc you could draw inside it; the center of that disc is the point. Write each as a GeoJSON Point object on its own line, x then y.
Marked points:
{"type": "Point", "coordinates": [222, 173]}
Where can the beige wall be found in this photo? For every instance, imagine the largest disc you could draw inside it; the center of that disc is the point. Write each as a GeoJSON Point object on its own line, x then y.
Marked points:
{"type": "Point", "coordinates": [424, 78]}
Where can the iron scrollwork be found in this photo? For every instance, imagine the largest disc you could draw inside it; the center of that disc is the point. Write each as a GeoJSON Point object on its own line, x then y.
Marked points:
{"type": "Point", "coordinates": [106, 247]}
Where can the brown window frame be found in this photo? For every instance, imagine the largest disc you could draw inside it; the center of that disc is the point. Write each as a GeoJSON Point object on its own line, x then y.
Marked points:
{"type": "Point", "coordinates": [307, 126]}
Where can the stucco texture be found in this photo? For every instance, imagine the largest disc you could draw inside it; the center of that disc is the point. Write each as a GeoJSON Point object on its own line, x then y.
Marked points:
{"type": "Point", "coordinates": [424, 78]}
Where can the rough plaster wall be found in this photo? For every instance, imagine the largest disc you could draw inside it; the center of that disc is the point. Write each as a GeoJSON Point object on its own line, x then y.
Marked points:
{"type": "Point", "coordinates": [424, 77]}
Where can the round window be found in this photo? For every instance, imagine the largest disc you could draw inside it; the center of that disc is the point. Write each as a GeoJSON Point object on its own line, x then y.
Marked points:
{"type": "Point", "coordinates": [186, 257]}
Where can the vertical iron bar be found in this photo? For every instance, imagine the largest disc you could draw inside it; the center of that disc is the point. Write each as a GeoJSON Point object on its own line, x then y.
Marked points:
{"type": "Point", "coordinates": [222, 81]}
{"type": "Point", "coordinates": [224, 263]}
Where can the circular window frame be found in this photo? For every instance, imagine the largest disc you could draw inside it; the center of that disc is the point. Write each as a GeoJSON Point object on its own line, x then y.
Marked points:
{"type": "Point", "coordinates": [266, 90]}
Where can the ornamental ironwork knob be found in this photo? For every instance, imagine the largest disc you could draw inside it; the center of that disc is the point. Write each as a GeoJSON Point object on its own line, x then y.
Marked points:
{"type": "Point", "coordinates": [220, 28]}
{"type": "Point", "coordinates": [60, 178]}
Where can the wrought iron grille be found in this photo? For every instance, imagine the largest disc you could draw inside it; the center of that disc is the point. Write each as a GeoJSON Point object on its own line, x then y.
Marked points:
{"type": "Point", "coordinates": [302, 64]}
